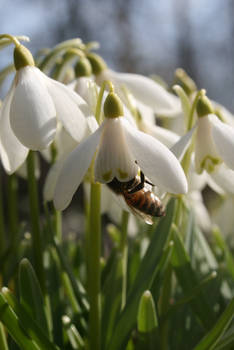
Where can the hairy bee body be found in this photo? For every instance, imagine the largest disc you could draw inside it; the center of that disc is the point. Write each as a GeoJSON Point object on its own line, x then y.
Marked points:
{"type": "Point", "coordinates": [139, 197]}
{"type": "Point", "coordinates": [145, 201]}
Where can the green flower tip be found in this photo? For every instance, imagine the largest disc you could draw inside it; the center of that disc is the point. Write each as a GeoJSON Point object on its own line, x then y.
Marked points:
{"type": "Point", "coordinates": [204, 107]}
{"type": "Point", "coordinates": [113, 107]}
{"type": "Point", "coordinates": [83, 68]}
{"type": "Point", "coordinates": [22, 57]}
{"type": "Point", "coordinates": [146, 318]}
{"type": "Point", "coordinates": [183, 79]}
{"type": "Point", "coordinates": [97, 63]}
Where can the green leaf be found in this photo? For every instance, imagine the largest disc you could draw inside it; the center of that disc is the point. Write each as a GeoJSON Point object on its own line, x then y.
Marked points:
{"type": "Point", "coordinates": [78, 288]}
{"type": "Point", "coordinates": [227, 341]}
{"type": "Point", "coordinates": [11, 322]}
{"type": "Point", "coordinates": [30, 294]}
{"type": "Point", "coordinates": [146, 318]}
{"type": "Point", "coordinates": [28, 323]}
{"type": "Point", "coordinates": [3, 341]}
{"type": "Point", "coordinates": [73, 335]}
{"type": "Point", "coordinates": [146, 274]}
{"type": "Point", "coordinates": [211, 339]}
{"type": "Point", "coordinates": [112, 299]}
{"type": "Point", "coordinates": [227, 254]}
{"type": "Point", "coordinates": [187, 279]}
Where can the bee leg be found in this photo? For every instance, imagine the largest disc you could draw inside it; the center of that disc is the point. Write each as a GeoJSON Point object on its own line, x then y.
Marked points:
{"type": "Point", "coordinates": [149, 183]}
{"type": "Point", "coordinates": [139, 186]}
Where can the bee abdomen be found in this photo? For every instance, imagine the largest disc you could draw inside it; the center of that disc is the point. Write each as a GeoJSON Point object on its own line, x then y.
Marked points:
{"type": "Point", "coordinates": [146, 202]}
{"type": "Point", "coordinates": [155, 207]}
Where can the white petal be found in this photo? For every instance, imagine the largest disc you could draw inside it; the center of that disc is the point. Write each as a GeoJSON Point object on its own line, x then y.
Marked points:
{"type": "Point", "coordinates": [147, 113]}
{"type": "Point", "coordinates": [74, 169]}
{"type": "Point", "coordinates": [223, 135]}
{"type": "Point", "coordinates": [149, 92]}
{"type": "Point", "coordinates": [206, 156]}
{"type": "Point", "coordinates": [196, 182]}
{"type": "Point", "coordinates": [32, 112]}
{"type": "Point", "coordinates": [181, 146]}
{"type": "Point", "coordinates": [213, 184]}
{"type": "Point", "coordinates": [51, 179]}
{"type": "Point", "coordinates": [114, 158]}
{"type": "Point", "coordinates": [70, 107]}
{"type": "Point", "coordinates": [200, 210]}
{"type": "Point", "coordinates": [224, 178]}
{"type": "Point", "coordinates": [167, 137]}
{"type": "Point", "coordinates": [156, 161]}
{"type": "Point", "coordinates": [82, 88]}
{"type": "Point", "coordinates": [13, 153]}
{"type": "Point", "coordinates": [226, 115]}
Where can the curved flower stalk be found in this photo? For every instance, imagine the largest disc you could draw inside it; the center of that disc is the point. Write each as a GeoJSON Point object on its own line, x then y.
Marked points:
{"type": "Point", "coordinates": [120, 151]}
{"type": "Point", "coordinates": [32, 109]}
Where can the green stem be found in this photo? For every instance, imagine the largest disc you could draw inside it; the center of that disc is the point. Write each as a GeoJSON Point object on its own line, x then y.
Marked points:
{"type": "Point", "coordinates": [2, 222]}
{"type": "Point", "coordinates": [58, 225]}
{"type": "Point", "coordinates": [94, 247]}
{"type": "Point", "coordinates": [12, 38]}
{"type": "Point", "coordinates": [164, 307]}
{"type": "Point", "coordinates": [35, 220]}
{"type": "Point", "coordinates": [192, 112]}
{"type": "Point", "coordinates": [12, 201]}
{"type": "Point", "coordinates": [124, 253]}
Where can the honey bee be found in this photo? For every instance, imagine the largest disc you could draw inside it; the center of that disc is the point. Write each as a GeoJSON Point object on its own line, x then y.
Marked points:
{"type": "Point", "coordinates": [139, 197]}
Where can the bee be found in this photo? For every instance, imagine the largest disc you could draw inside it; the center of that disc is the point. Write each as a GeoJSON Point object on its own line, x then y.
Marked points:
{"type": "Point", "coordinates": [139, 197]}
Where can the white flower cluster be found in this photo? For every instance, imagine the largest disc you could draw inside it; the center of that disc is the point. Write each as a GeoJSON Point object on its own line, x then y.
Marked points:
{"type": "Point", "coordinates": [39, 111]}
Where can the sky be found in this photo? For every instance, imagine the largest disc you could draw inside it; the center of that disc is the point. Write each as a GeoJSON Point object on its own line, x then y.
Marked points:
{"type": "Point", "coordinates": [152, 31]}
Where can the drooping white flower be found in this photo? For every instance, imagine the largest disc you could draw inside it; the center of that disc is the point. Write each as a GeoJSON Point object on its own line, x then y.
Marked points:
{"type": "Point", "coordinates": [214, 143]}
{"type": "Point", "coordinates": [144, 89]}
{"type": "Point", "coordinates": [120, 151]}
{"type": "Point", "coordinates": [64, 146]}
{"type": "Point", "coordinates": [31, 111]}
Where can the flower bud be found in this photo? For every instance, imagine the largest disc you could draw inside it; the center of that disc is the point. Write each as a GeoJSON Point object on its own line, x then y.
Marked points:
{"type": "Point", "coordinates": [83, 68]}
{"type": "Point", "coordinates": [22, 57]}
{"type": "Point", "coordinates": [113, 107]}
{"type": "Point", "coordinates": [97, 63]}
{"type": "Point", "coordinates": [146, 318]}
{"type": "Point", "coordinates": [204, 107]}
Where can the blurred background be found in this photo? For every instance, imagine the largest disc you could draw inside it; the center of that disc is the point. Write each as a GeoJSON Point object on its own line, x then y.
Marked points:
{"type": "Point", "coordinates": [149, 37]}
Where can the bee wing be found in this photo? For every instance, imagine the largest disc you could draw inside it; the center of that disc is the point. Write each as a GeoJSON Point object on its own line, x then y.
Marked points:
{"type": "Point", "coordinates": [119, 199]}
{"type": "Point", "coordinates": [147, 218]}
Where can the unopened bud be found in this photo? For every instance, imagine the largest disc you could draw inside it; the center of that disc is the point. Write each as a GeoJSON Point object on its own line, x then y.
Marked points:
{"type": "Point", "coordinates": [97, 63]}
{"type": "Point", "coordinates": [83, 68]}
{"type": "Point", "coordinates": [113, 107]}
{"type": "Point", "coordinates": [204, 107]}
{"type": "Point", "coordinates": [22, 57]}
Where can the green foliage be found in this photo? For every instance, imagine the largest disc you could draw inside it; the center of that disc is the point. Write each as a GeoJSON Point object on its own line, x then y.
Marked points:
{"type": "Point", "coordinates": [179, 288]}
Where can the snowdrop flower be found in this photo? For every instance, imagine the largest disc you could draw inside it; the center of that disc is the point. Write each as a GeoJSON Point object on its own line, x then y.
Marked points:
{"type": "Point", "coordinates": [32, 109]}
{"type": "Point", "coordinates": [214, 140]}
{"type": "Point", "coordinates": [144, 89]}
{"type": "Point", "coordinates": [120, 151]}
